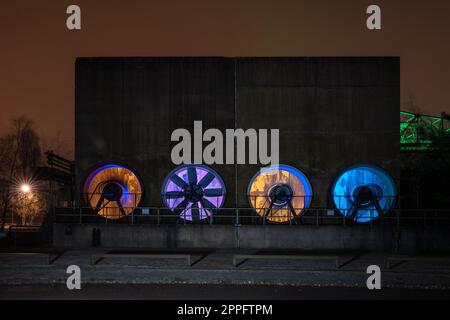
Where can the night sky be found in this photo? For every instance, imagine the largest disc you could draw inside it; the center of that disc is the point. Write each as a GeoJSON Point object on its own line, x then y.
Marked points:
{"type": "Point", "coordinates": [38, 51]}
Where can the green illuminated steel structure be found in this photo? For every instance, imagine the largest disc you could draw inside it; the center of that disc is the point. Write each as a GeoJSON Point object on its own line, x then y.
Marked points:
{"type": "Point", "coordinates": [417, 131]}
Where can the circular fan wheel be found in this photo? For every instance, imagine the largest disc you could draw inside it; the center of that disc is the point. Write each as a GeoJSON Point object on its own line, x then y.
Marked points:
{"type": "Point", "coordinates": [279, 193]}
{"type": "Point", "coordinates": [112, 191]}
{"type": "Point", "coordinates": [193, 191]}
{"type": "Point", "coordinates": [364, 192]}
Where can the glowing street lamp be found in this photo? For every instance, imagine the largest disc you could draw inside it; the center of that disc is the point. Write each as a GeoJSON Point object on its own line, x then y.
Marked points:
{"type": "Point", "coordinates": [25, 188]}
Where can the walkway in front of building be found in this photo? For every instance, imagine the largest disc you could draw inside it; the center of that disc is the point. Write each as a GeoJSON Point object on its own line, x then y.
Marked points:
{"type": "Point", "coordinates": [216, 267]}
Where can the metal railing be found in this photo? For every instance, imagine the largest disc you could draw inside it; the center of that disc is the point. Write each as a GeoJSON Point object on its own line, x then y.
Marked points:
{"type": "Point", "coordinates": [248, 216]}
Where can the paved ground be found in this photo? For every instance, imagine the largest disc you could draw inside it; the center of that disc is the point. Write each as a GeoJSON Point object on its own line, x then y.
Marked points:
{"type": "Point", "coordinates": [215, 276]}
{"type": "Point", "coordinates": [211, 292]}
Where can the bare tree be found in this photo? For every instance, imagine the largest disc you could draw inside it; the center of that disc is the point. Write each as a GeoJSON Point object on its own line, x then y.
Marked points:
{"type": "Point", "coordinates": [29, 207]}
{"type": "Point", "coordinates": [19, 153]}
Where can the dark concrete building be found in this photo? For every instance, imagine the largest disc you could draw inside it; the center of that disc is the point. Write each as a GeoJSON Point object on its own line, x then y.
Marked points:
{"type": "Point", "coordinates": [332, 113]}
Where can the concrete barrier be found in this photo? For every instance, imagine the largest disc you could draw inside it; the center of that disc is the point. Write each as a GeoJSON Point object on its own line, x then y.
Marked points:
{"type": "Point", "coordinates": [239, 259]}
{"type": "Point", "coordinates": [324, 237]}
{"type": "Point", "coordinates": [95, 258]}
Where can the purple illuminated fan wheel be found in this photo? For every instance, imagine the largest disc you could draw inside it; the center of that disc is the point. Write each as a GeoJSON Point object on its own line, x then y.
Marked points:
{"type": "Point", "coordinates": [193, 191]}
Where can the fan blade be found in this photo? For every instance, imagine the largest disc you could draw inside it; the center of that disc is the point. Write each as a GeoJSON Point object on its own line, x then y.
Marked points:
{"type": "Point", "coordinates": [181, 206]}
{"type": "Point", "coordinates": [213, 192]}
{"type": "Point", "coordinates": [207, 204]}
{"type": "Point", "coordinates": [206, 180]}
{"type": "Point", "coordinates": [353, 211]}
{"type": "Point", "coordinates": [291, 209]}
{"type": "Point", "coordinates": [269, 209]}
{"type": "Point", "coordinates": [99, 203]}
{"type": "Point", "coordinates": [378, 208]}
{"type": "Point", "coordinates": [174, 194]}
{"type": "Point", "coordinates": [208, 212]}
{"type": "Point", "coordinates": [192, 175]}
{"type": "Point", "coordinates": [178, 181]}
{"type": "Point", "coordinates": [122, 211]}
{"type": "Point", "coordinates": [195, 212]}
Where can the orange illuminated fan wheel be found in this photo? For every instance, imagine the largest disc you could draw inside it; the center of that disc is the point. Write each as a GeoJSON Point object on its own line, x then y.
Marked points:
{"type": "Point", "coordinates": [279, 193]}
{"type": "Point", "coordinates": [112, 191]}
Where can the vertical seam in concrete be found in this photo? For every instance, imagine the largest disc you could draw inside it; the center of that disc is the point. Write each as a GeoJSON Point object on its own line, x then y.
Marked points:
{"type": "Point", "coordinates": [235, 127]}
{"type": "Point", "coordinates": [235, 150]}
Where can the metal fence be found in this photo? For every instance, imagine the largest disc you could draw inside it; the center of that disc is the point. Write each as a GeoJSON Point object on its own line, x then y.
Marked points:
{"type": "Point", "coordinates": [248, 216]}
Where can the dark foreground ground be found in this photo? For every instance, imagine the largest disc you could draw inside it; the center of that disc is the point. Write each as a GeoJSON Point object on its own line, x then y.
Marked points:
{"type": "Point", "coordinates": [209, 292]}
{"type": "Point", "coordinates": [213, 275]}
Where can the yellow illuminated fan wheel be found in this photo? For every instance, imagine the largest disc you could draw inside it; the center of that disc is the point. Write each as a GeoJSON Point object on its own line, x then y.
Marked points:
{"type": "Point", "coordinates": [279, 193]}
{"type": "Point", "coordinates": [112, 191]}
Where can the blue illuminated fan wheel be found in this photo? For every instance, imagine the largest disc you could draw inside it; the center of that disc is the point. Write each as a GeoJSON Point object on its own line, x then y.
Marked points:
{"type": "Point", "coordinates": [193, 191]}
{"type": "Point", "coordinates": [364, 193]}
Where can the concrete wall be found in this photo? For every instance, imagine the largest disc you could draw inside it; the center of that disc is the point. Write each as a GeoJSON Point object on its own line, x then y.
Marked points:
{"type": "Point", "coordinates": [328, 237]}
{"type": "Point", "coordinates": [332, 113]}
{"type": "Point", "coordinates": [127, 108]}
